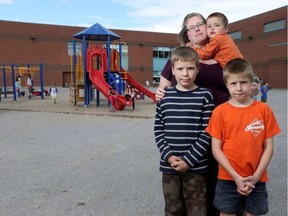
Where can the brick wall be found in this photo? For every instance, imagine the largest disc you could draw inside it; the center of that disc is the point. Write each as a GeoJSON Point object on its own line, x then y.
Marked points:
{"type": "Point", "coordinates": [28, 43]}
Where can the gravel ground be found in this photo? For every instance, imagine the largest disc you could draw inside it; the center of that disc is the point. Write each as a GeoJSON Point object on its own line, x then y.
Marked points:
{"type": "Point", "coordinates": [59, 159]}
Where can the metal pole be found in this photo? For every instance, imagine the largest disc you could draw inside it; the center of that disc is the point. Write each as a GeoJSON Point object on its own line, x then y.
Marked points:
{"type": "Point", "coordinates": [41, 80]}
{"type": "Point", "coordinates": [13, 83]}
{"type": "Point", "coordinates": [74, 70]}
{"type": "Point", "coordinates": [85, 71]}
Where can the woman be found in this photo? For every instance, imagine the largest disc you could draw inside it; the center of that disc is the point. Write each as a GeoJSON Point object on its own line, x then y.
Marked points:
{"type": "Point", "coordinates": [210, 76]}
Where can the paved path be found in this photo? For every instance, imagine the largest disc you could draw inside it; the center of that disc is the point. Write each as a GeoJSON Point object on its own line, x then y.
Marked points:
{"type": "Point", "coordinates": [57, 159]}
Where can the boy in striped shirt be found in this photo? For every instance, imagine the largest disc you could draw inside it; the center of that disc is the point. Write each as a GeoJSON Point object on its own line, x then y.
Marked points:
{"type": "Point", "coordinates": [180, 122]}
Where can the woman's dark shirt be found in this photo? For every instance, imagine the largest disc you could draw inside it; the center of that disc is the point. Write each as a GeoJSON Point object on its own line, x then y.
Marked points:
{"type": "Point", "coordinates": [209, 76]}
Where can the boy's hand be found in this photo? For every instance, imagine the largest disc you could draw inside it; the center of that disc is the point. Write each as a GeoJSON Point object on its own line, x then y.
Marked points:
{"type": "Point", "coordinates": [180, 166]}
{"type": "Point", "coordinates": [246, 191]}
{"type": "Point", "coordinates": [173, 159]}
{"type": "Point", "coordinates": [244, 187]}
{"type": "Point", "coordinates": [250, 180]}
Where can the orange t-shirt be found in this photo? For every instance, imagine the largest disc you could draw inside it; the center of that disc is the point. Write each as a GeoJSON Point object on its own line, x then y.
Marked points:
{"type": "Point", "coordinates": [221, 48]}
{"type": "Point", "coordinates": [243, 132]}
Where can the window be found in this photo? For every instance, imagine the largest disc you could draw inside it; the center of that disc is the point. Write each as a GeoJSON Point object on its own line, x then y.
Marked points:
{"type": "Point", "coordinates": [160, 58]}
{"type": "Point", "coordinates": [167, 54]}
{"type": "Point", "coordinates": [162, 52]}
{"type": "Point", "coordinates": [236, 35]}
{"type": "Point", "coordinates": [274, 26]}
{"type": "Point", "coordinates": [155, 54]}
{"type": "Point", "coordinates": [78, 48]}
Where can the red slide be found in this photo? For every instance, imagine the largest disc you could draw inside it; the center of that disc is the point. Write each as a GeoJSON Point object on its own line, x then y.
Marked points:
{"type": "Point", "coordinates": [140, 88]}
{"type": "Point", "coordinates": [97, 76]}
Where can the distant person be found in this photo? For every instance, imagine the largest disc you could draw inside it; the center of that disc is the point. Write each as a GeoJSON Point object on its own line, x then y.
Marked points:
{"type": "Point", "coordinates": [242, 131]}
{"type": "Point", "coordinates": [20, 92]}
{"type": "Point", "coordinates": [181, 118]}
{"type": "Point", "coordinates": [264, 92]}
{"type": "Point", "coordinates": [221, 46]}
{"type": "Point", "coordinates": [53, 91]}
{"type": "Point", "coordinates": [130, 95]}
{"type": "Point", "coordinates": [147, 84]}
{"type": "Point", "coordinates": [29, 82]}
{"type": "Point", "coordinates": [112, 97]}
{"type": "Point", "coordinates": [29, 85]}
{"type": "Point", "coordinates": [255, 88]}
{"type": "Point", "coordinates": [18, 87]}
{"type": "Point", "coordinates": [18, 78]}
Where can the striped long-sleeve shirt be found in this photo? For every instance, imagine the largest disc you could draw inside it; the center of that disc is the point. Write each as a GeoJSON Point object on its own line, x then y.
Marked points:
{"type": "Point", "coordinates": [180, 123]}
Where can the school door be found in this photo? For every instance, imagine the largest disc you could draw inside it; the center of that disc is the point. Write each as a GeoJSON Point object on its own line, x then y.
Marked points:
{"type": "Point", "coordinates": [66, 79]}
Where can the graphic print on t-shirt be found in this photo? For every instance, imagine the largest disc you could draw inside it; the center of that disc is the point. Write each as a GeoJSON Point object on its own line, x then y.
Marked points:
{"type": "Point", "coordinates": [255, 127]}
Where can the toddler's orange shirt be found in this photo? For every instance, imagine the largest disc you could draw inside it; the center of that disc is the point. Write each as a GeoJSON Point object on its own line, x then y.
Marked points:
{"type": "Point", "coordinates": [221, 48]}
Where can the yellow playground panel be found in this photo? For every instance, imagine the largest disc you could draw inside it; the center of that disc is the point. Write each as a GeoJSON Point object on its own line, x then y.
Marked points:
{"type": "Point", "coordinates": [20, 71]}
{"type": "Point", "coordinates": [25, 71]}
{"type": "Point", "coordinates": [77, 88]}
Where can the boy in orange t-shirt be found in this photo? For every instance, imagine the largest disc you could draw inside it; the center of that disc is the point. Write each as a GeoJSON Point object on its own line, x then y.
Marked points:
{"type": "Point", "coordinates": [221, 46]}
{"type": "Point", "coordinates": [242, 131]}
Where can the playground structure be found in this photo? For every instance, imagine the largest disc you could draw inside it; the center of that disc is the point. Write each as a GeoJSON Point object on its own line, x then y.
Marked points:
{"type": "Point", "coordinates": [102, 68]}
{"type": "Point", "coordinates": [13, 70]}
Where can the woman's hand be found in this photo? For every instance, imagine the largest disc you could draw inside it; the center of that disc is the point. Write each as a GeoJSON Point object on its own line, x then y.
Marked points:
{"type": "Point", "coordinates": [163, 84]}
{"type": "Point", "coordinates": [160, 92]}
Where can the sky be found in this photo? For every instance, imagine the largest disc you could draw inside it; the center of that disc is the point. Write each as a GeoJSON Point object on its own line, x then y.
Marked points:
{"type": "Point", "coordinates": [141, 15]}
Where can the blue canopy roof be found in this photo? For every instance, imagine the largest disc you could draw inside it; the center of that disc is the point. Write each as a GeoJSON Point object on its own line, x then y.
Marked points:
{"type": "Point", "coordinates": [98, 33]}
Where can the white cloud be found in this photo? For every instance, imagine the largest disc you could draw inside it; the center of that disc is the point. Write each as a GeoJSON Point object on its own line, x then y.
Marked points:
{"type": "Point", "coordinates": [94, 17]}
{"type": "Point", "coordinates": [143, 15]}
{"type": "Point", "coordinates": [149, 12]}
{"type": "Point", "coordinates": [7, 2]}
{"type": "Point", "coordinates": [167, 15]}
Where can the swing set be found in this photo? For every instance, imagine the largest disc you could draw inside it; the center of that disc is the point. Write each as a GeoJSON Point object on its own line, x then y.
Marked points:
{"type": "Point", "coordinates": [9, 74]}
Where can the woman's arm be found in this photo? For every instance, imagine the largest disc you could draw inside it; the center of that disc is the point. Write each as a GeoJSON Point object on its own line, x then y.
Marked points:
{"type": "Point", "coordinates": [164, 83]}
{"type": "Point", "coordinates": [208, 61]}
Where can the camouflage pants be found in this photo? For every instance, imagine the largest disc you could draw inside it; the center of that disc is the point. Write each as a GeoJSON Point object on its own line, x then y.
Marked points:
{"type": "Point", "coordinates": [184, 194]}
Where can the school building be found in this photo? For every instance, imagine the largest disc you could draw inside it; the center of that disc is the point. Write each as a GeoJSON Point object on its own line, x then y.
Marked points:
{"type": "Point", "coordinates": [262, 40]}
